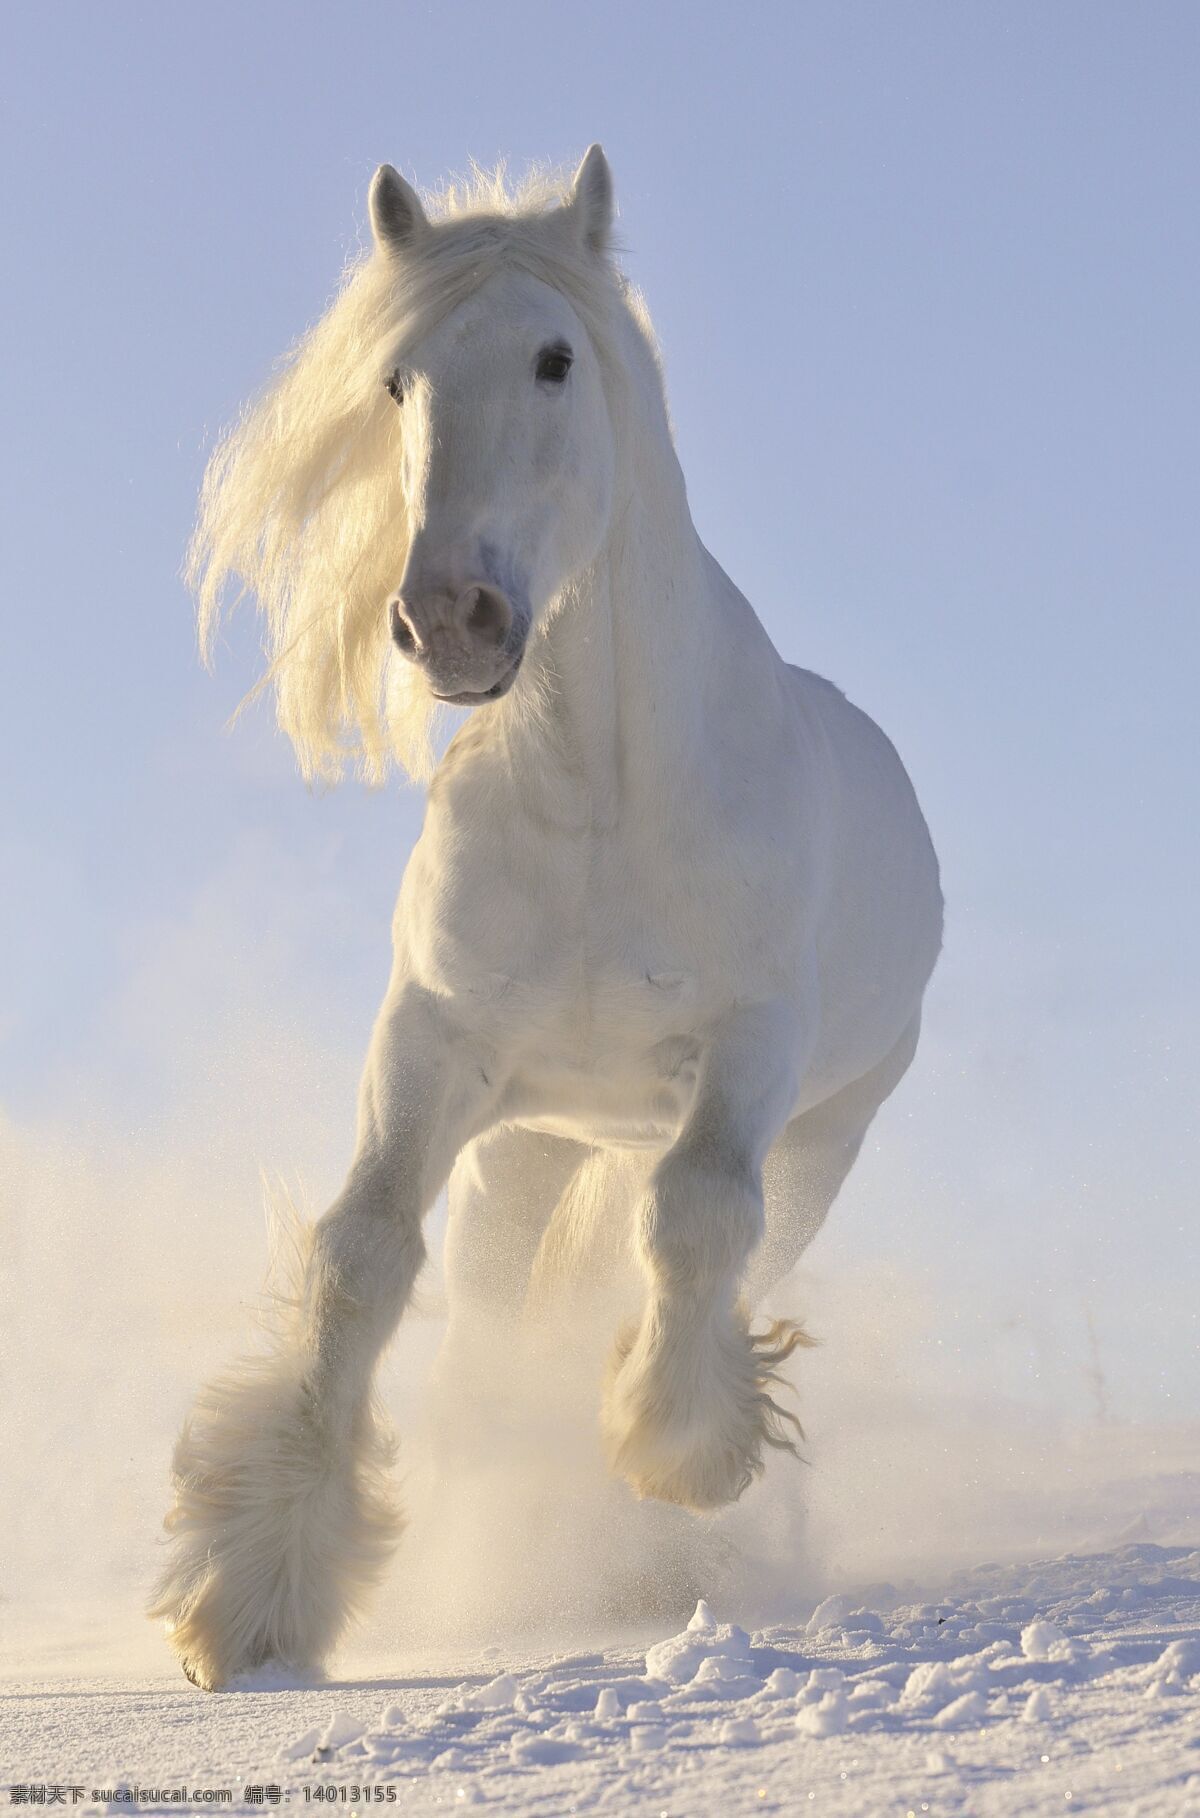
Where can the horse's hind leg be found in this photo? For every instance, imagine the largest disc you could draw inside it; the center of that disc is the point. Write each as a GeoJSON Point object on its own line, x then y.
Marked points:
{"type": "Point", "coordinates": [503, 1192]}
{"type": "Point", "coordinates": [502, 1196]}
{"type": "Point", "coordinates": [282, 1516]}
{"type": "Point", "coordinates": [807, 1165]}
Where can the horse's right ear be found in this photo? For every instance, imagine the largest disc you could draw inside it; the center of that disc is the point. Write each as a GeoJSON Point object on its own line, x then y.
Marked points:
{"type": "Point", "coordinates": [590, 203]}
{"type": "Point", "coordinates": [397, 217]}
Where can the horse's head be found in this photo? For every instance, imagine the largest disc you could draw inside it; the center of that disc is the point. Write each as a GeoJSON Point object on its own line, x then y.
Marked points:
{"type": "Point", "coordinates": [435, 463]}
{"type": "Point", "coordinates": [506, 455]}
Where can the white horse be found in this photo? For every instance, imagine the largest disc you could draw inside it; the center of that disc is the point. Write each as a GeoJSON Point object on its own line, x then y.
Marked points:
{"type": "Point", "coordinates": [661, 947]}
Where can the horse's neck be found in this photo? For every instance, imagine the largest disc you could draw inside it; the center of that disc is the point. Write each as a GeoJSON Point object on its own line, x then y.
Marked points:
{"type": "Point", "coordinates": [624, 665]}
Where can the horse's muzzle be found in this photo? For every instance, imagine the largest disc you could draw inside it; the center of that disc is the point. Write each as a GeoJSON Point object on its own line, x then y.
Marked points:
{"type": "Point", "coordinates": [468, 645]}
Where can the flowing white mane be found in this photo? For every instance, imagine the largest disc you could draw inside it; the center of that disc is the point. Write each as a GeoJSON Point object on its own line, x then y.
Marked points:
{"type": "Point", "coordinates": [302, 503]}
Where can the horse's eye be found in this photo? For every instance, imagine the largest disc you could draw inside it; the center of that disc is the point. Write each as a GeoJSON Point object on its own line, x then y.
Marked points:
{"type": "Point", "coordinates": [554, 363]}
{"type": "Point", "coordinates": [395, 388]}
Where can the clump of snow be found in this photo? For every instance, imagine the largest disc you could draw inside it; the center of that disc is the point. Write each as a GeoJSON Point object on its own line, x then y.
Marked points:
{"type": "Point", "coordinates": [497, 1695]}
{"type": "Point", "coordinates": [831, 1614]}
{"type": "Point", "coordinates": [1179, 1661]}
{"type": "Point", "coordinates": [678, 1660]}
{"type": "Point", "coordinates": [543, 1751]}
{"type": "Point", "coordinates": [302, 1747]}
{"type": "Point", "coordinates": [340, 1730]}
{"type": "Point", "coordinates": [608, 1705]}
{"type": "Point", "coordinates": [861, 1624]}
{"type": "Point", "coordinates": [967, 1709]}
{"type": "Point", "coordinates": [451, 1760]}
{"type": "Point", "coordinates": [924, 1680]}
{"type": "Point", "coordinates": [824, 1679]}
{"type": "Point", "coordinates": [828, 1718]}
{"type": "Point", "coordinates": [872, 1694]}
{"type": "Point", "coordinates": [739, 1731]}
{"type": "Point", "coordinates": [385, 1747]}
{"type": "Point", "coordinates": [721, 1666]}
{"type": "Point", "coordinates": [782, 1683]}
{"type": "Point", "coordinates": [1037, 1706]}
{"type": "Point", "coordinates": [1038, 1639]}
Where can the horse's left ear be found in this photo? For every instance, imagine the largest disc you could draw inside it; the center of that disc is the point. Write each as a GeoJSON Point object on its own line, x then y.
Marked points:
{"type": "Point", "coordinates": [591, 199]}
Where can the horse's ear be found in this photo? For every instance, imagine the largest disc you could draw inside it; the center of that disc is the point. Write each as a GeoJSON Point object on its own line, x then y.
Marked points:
{"type": "Point", "coordinates": [396, 213]}
{"type": "Point", "coordinates": [591, 199]}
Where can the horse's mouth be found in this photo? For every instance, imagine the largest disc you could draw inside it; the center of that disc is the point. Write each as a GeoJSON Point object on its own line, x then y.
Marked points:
{"type": "Point", "coordinates": [471, 698]}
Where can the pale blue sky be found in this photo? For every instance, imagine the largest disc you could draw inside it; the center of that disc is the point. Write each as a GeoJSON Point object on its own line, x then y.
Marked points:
{"type": "Point", "coordinates": [925, 278]}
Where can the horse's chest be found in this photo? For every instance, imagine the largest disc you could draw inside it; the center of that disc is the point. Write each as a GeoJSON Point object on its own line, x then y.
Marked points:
{"type": "Point", "coordinates": [589, 994]}
{"type": "Point", "coordinates": [586, 977]}
{"type": "Point", "coordinates": [591, 925]}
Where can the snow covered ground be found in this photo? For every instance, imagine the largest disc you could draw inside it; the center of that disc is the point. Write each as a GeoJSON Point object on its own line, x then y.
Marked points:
{"type": "Point", "coordinates": [530, 1652]}
{"type": "Point", "coordinates": [1069, 1683]}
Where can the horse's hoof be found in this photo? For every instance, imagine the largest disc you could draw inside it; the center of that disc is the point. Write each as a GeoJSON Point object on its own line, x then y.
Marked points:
{"type": "Point", "coordinates": [700, 1455]}
{"type": "Point", "coordinates": [703, 1481]}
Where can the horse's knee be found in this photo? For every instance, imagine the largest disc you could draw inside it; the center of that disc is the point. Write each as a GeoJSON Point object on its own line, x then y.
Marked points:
{"type": "Point", "coordinates": [362, 1257]}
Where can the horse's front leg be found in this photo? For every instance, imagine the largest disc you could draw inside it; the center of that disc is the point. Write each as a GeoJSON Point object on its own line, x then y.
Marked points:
{"type": "Point", "coordinates": [283, 1517]}
{"type": "Point", "coordinates": [688, 1407]}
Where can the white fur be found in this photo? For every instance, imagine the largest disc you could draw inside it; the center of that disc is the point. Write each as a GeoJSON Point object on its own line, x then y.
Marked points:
{"type": "Point", "coordinates": [674, 902]}
{"type": "Point", "coordinates": [283, 1518]}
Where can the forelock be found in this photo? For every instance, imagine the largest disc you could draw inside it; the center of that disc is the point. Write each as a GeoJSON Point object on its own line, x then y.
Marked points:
{"type": "Point", "coordinates": [484, 224]}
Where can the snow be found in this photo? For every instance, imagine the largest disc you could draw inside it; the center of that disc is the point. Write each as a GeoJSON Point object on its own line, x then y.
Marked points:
{"type": "Point", "coordinates": [538, 1647]}
{"type": "Point", "coordinates": [706, 1650]}
{"type": "Point", "coordinates": [1039, 1639]}
{"type": "Point", "coordinates": [1029, 1687]}
{"type": "Point", "coordinates": [497, 1695]}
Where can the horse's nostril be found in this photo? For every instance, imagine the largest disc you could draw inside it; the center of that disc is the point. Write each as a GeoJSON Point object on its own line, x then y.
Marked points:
{"type": "Point", "coordinates": [488, 614]}
{"type": "Point", "coordinates": [403, 634]}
